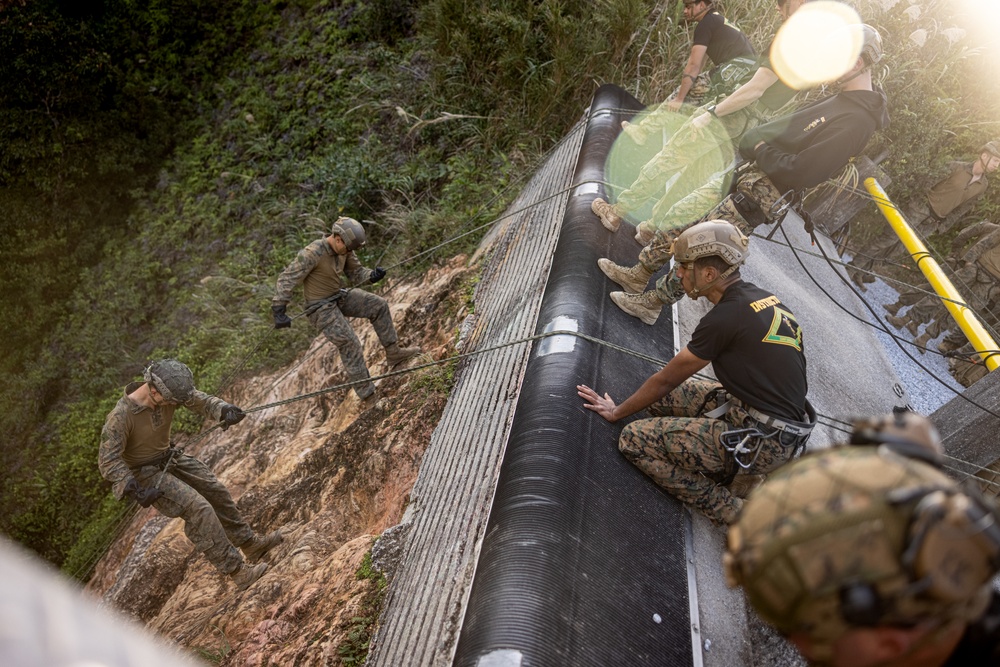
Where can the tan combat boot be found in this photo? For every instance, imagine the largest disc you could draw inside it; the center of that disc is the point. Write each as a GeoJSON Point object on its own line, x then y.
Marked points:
{"type": "Point", "coordinates": [903, 323]}
{"type": "Point", "coordinates": [633, 278]}
{"type": "Point", "coordinates": [256, 547]}
{"type": "Point", "coordinates": [634, 132]}
{"type": "Point", "coordinates": [893, 308]}
{"type": "Point", "coordinates": [607, 213]}
{"type": "Point", "coordinates": [395, 355]}
{"type": "Point", "coordinates": [645, 306]}
{"type": "Point", "coordinates": [245, 575]}
{"type": "Point", "coordinates": [644, 232]}
{"type": "Point", "coordinates": [921, 342]}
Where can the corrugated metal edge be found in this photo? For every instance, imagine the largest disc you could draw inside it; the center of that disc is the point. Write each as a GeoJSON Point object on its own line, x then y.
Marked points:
{"type": "Point", "coordinates": [451, 498]}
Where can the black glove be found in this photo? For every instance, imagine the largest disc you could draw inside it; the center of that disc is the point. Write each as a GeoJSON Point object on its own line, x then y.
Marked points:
{"type": "Point", "coordinates": [281, 320]}
{"type": "Point", "coordinates": [377, 275]}
{"type": "Point", "coordinates": [231, 415]}
{"type": "Point", "coordinates": [145, 496]}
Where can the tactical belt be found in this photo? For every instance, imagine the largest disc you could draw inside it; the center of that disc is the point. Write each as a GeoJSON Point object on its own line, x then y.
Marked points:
{"type": "Point", "coordinates": [313, 306]}
{"type": "Point", "coordinates": [743, 445]}
{"type": "Point", "coordinates": [160, 461]}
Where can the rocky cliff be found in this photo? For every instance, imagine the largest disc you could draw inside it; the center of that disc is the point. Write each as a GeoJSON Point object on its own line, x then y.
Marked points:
{"type": "Point", "coordinates": [331, 472]}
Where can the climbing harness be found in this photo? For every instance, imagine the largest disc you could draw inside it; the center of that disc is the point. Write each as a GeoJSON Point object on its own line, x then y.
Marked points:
{"type": "Point", "coordinates": [743, 445]}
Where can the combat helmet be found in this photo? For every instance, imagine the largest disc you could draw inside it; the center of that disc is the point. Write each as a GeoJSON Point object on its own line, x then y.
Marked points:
{"type": "Point", "coordinates": [904, 432]}
{"type": "Point", "coordinates": [871, 45]}
{"type": "Point", "coordinates": [862, 536]}
{"type": "Point", "coordinates": [350, 231]}
{"type": "Point", "coordinates": [172, 379]}
{"type": "Point", "coordinates": [712, 238]}
{"type": "Point", "coordinates": [991, 147]}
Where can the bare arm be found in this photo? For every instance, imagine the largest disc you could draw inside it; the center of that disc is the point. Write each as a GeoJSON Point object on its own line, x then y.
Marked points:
{"type": "Point", "coordinates": [695, 63]}
{"type": "Point", "coordinates": [680, 368]}
{"type": "Point", "coordinates": [748, 93]}
{"type": "Point", "coordinates": [742, 97]}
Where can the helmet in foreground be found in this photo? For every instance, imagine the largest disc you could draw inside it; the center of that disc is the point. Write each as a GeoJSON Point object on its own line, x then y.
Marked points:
{"type": "Point", "coordinates": [862, 536]}
{"type": "Point", "coordinates": [904, 432]}
{"type": "Point", "coordinates": [350, 231]}
{"type": "Point", "coordinates": [172, 379]}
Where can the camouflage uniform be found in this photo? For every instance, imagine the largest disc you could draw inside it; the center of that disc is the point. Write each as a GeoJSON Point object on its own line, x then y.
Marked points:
{"type": "Point", "coordinates": [693, 156]}
{"type": "Point", "coordinates": [320, 269]}
{"type": "Point", "coordinates": [680, 449]}
{"type": "Point", "coordinates": [135, 438]}
{"type": "Point", "coordinates": [952, 197]}
{"type": "Point", "coordinates": [330, 319]}
{"type": "Point", "coordinates": [976, 280]}
{"type": "Point", "coordinates": [656, 254]}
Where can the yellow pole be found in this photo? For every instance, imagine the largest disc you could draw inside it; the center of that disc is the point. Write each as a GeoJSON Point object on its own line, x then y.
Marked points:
{"type": "Point", "coordinates": [952, 300]}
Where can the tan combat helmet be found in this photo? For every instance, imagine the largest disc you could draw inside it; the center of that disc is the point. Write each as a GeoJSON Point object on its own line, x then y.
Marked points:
{"type": "Point", "coordinates": [712, 238]}
{"type": "Point", "coordinates": [992, 148]}
{"type": "Point", "coordinates": [350, 232]}
{"type": "Point", "coordinates": [172, 379]}
{"type": "Point", "coordinates": [862, 536]}
{"type": "Point", "coordinates": [871, 45]}
{"type": "Point", "coordinates": [904, 432]}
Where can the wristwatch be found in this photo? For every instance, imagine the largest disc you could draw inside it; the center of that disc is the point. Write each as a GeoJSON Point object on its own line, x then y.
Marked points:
{"type": "Point", "coordinates": [711, 110]}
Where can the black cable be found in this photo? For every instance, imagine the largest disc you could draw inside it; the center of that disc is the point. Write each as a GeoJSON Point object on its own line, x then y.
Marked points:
{"type": "Point", "coordinates": [884, 327]}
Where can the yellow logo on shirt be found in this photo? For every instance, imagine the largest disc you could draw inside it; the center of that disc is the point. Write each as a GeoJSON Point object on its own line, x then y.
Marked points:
{"type": "Point", "coordinates": [784, 330]}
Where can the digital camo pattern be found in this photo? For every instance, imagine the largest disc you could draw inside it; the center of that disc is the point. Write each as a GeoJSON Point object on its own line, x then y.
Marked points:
{"type": "Point", "coordinates": [212, 521]}
{"type": "Point", "coordinates": [111, 455]}
{"type": "Point", "coordinates": [331, 319]}
{"type": "Point", "coordinates": [692, 156]}
{"type": "Point", "coordinates": [680, 449]}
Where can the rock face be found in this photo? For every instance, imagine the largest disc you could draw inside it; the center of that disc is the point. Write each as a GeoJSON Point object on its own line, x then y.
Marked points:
{"type": "Point", "coordinates": [331, 472]}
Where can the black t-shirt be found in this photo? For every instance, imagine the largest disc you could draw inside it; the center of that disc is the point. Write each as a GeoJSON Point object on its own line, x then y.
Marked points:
{"type": "Point", "coordinates": [980, 645]}
{"type": "Point", "coordinates": [723, 40]}
{"type": "Point", "coordinates": [755, 345]}
{"type": "Point", "coordinates": [778, 94]}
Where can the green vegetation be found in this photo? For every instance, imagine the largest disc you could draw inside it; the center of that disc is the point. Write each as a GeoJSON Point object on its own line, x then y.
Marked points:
{"type": "Point", "coordinates": [216, 655]}
{"type": "Point", "coordinates": [164, 160]}
{"type": "Point", "coordinates": [354, 649]}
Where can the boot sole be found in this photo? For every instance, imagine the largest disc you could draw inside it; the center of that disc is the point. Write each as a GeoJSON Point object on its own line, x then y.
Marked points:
{"type": "Point", "coordinates": [610, 223]}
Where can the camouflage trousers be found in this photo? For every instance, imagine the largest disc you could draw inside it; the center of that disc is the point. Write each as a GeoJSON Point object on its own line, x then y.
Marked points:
{"type": "Point", "coordinates": [212, 521]}
{"type": "Point", "coordinates": [660, 116]}
{"type": "Point", "coordinates": [977, 285]}
{"type": "Point", "coordinates": [887, 248]}
{"type": "Point", "coordinates": [688, 161]}
{"type": "Point", "coordinates": [331, 319]}
{"type": "Point", "coordinates": [681, 450]}
{"type": "Point", "coordinates": [655, 255]}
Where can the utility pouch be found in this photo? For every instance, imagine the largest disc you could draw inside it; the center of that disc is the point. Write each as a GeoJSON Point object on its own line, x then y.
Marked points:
{"type": "Point", "coordinates": [749, 209]}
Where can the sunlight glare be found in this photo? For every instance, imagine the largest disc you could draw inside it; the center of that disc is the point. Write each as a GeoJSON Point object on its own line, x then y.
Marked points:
{"type": "Point", "coordinates": [818, 44]}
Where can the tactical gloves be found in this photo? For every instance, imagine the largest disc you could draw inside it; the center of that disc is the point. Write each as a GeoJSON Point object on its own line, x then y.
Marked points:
{"type": "Point", "coordinates": [145, 496]}
{"type": "Point", "coordinates": [231, 415]}
{"type": "Point", "coordinates": [281, 320]}
{"type": "Point", "coordinates": [377, 274]}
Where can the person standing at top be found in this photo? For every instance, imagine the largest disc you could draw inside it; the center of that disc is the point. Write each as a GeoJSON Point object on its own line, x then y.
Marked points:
{"type": "Point", "coordinates": [716, 39]}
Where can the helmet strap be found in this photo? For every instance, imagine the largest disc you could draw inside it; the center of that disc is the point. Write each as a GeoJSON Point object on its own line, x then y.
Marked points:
{"type": "Point", "coordinates": [699, 291]}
